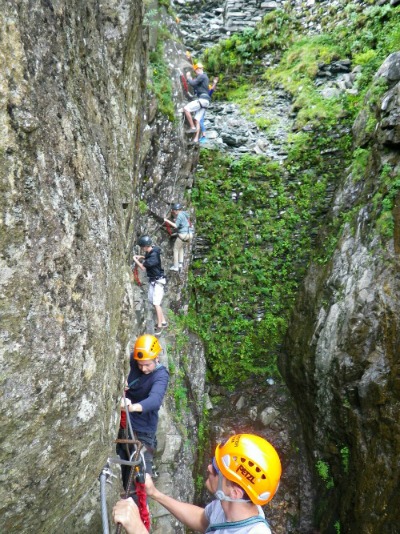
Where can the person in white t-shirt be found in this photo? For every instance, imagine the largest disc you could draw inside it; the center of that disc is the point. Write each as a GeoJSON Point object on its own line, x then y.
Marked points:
{"type": "Point", "coordinates": [243, 475]}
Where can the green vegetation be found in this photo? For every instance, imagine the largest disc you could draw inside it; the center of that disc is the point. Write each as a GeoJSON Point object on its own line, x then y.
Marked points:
{"type": "Point", "coordinates": [252, 102]}
{"type": "Point", "coordinates": [384, 200]}
{"type": "Point", "coordinates": [366, 38]}
{"type": "Point", "coordinates": [178, 370]}
{"type": "Point", "coordinates": [161, 77]}
{"type": "Point", "coordinates": [243, 50]}
{"type": "Point", "coordinates": [244, 289]}
{"type": "Point", "coordinates": [359, 164]}
{"type": "Point", "coordinates": [142, 207]}
{"type": "Point", "coordinates": [297, 72]}
{"type": "Point", "coordinates": [323, 471]}
{"type": "Point", "coordinates": [202, 440]}
{"type": "Point", "coordinates": [345, 454]}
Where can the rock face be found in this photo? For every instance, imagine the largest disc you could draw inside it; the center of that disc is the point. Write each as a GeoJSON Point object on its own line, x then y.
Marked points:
{"type": "Point", "coordinates": [80, 147]}
{"type": "Point", "coordinates": [343, 353]}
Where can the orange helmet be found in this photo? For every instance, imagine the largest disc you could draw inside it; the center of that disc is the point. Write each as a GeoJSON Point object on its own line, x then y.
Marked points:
{"type": "Point", "coordinates": [147, 347]}
{"type": "Point", "coordinates": [251, 462]}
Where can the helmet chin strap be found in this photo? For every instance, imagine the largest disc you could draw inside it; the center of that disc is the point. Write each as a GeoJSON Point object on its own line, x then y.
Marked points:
{"type": "Point", "coordinates": [221, 496]}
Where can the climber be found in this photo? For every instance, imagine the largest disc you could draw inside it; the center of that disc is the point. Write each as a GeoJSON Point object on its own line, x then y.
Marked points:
{"type": "Point", "coordinates": [211, 89]}
{"type": "Point", "coordinates": [152, 265]}
{"type": "Point", "coordinates": [243, 476]}
{"type": "Point", "coordinates": [185, 233]}
{"type": "Point", "coordinates": [198, 106]}
{"type": "Point", "coordinates": [144, 392]}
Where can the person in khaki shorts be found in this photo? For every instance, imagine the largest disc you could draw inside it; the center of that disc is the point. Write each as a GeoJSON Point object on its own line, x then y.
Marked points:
{"type": "Point", "coordinates": [243, 476]}
{"type": "Point", "coordinates": [185, 233]}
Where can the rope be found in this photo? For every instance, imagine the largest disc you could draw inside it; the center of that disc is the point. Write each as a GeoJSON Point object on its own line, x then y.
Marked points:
{"type": "Point", "coordinates": [136, 275]}
{"type": "Point", "coordinates": [142, 504]}
{"type": "Point", "coordinates": [168, 227]}
{"type": "Point", "coordinates": [184, 83]}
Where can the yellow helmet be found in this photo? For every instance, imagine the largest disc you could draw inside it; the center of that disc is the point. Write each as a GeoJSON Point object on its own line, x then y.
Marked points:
{"type": "Point", "coordinates": [251, 462]}
{"type": "Point", "coordinates": [147, 347]}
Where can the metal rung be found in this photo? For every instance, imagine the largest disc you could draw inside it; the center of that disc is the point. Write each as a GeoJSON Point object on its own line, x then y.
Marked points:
{"type": "Point", "coordinates": [118, 460]}
{"type": "Point", "coordinates": [129, 441]}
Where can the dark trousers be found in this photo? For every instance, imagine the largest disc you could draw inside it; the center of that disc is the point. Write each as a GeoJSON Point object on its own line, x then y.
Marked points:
{"type": "Point", "coordinates": [150, 444]}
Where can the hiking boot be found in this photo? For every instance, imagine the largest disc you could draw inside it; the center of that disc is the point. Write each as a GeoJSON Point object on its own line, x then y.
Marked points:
{"type": "Point", "coordinates": [191, 130]}
{"type": "Point", "coordinates": [164, 325]}
{"type": "Point", "coordinates": [157, 330]}
{"type": "Point", "coordinates": [173, 268]}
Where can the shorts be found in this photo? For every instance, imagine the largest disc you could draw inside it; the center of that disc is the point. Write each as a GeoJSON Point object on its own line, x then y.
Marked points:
{"type": "Point", "coordinates": [156, 291]}
{"type": "Point", "coordinates": [198, 107]}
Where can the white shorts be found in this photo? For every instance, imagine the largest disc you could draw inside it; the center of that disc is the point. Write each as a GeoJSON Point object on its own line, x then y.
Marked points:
{"type": "Point", "coordinates": [198, 107]}
{"type": "Point", "coordinates": [156, 291]}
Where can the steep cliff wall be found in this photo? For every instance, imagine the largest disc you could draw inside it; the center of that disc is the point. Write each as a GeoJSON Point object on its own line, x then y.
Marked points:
{"type": "Point", "coordinates": [79, 138]}
{"type": "Point", "coordinates": [342, 356]}
{"type": "Point", "coordinates": [72, 94]}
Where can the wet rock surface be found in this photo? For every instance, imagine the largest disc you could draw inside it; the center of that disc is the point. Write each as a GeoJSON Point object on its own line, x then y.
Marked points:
{"type": "Point", "coordinates": [342, 349]}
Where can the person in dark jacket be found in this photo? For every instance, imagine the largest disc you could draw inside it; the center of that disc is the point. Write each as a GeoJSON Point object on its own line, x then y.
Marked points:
{"type": "Point", "coordinates": [198, 106]}
{"type": "Point", "coordinates": [151, 263]}
{"type": "Point", "coordinates": [144, 393]}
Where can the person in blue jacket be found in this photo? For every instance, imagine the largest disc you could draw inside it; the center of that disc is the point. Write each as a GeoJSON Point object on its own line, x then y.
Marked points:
{"type": "Point", "coordinates": [144, 393]}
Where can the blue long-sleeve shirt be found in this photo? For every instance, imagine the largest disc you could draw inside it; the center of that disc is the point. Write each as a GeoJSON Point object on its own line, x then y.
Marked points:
{"type": "Point", "coordinates": [148, 391]}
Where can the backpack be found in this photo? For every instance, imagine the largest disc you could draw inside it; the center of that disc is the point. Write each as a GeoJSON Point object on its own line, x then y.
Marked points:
{"type": "Point", "coordinates": [191, 227]}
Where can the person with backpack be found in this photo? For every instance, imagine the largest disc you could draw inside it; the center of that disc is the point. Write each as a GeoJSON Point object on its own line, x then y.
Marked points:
{"type": "Point", "coordinates": [151, 263]}
{"type": "Point", "coordinates": [243, 476]}
{"type": "Point", "coordinates": [145, 388]}
{"type": "Point", "coordinates": [184, 233]}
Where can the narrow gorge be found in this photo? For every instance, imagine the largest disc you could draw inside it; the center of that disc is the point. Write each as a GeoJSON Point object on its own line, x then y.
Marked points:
{"type": "Point", "coordinates": [285, 318]}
